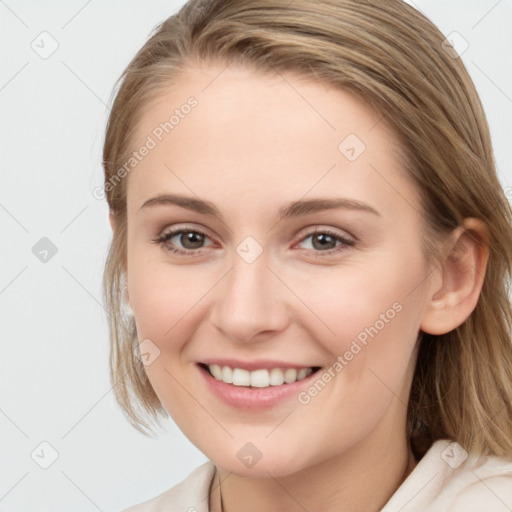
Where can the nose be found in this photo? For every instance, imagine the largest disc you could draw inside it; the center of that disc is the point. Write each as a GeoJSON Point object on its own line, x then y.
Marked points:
{"type": "Point", "coordinates": [250, 303]}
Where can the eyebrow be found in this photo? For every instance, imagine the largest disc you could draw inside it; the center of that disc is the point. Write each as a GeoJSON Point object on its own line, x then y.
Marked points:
{"type": "Point", "coordinates": [293, 209]}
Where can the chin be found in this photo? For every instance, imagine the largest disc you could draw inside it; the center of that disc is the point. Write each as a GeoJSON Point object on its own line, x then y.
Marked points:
{"type": "Point", "coordinates": [275, 464]}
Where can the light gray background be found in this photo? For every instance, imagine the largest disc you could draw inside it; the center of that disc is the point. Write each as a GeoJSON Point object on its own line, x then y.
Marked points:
{"type": "Point", "coordinates": [54, 384]}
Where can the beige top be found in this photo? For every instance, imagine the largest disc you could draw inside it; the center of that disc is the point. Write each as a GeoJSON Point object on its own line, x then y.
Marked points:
{"type": "Point", "coordinates": [445, 479]}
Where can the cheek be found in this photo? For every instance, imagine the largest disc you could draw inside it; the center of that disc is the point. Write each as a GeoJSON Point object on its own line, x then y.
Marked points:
{"type": "Point", "coordinates": [362, 301]}
{"type": "Point", "coordinates": [370, 321]}
{"type": "Point", "coordinates": [163, 294]}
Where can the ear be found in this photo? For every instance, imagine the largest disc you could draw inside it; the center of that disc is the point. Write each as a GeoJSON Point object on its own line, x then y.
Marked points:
{"type": "Point", "coordinates": [127, 299]}
{"type": "Point", "coordinates": [462, 276]}
{"type": "Point", "coordinates": [112, 221]}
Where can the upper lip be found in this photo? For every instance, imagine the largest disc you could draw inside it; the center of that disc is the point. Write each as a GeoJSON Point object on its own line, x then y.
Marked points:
{"type": "Point", "coordinates": [255, 364]}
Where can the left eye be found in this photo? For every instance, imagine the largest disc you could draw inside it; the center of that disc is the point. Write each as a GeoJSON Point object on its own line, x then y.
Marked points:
{"type": "Point", "coordinates": [322, 241]}
{"type": "Point", "coordinates": [325, 241]}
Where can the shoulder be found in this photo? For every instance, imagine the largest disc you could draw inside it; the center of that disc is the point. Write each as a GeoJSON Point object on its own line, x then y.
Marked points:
{"type": "Point", "coordinates": [190, 495]}
{"type": "Point", "coordinates": [447, 478]}
{"type": "Point", "coordinates": [486, 484]}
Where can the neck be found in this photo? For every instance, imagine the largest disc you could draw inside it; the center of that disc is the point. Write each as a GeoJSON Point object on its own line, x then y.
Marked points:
{"type": "Point", "coordinates": [362, 479]}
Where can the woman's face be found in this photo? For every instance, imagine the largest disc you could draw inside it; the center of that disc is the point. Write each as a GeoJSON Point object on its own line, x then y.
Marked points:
{"type": "Point", "coordinates": [301, 249]}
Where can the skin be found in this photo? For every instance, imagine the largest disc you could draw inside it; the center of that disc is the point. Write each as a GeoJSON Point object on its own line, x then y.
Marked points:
{"type": "Point", "coordinates": [254, 143]}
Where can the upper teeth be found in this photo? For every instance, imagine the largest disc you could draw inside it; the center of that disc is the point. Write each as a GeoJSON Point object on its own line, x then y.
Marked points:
{"type": "Point", "coordinates": [258, 378]}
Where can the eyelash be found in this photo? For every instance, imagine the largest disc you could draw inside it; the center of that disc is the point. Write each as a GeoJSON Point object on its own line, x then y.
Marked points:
{"type": "Point", "coordinates": [162, 241]}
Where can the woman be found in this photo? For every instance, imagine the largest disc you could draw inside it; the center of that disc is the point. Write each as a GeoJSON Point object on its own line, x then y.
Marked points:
{"type": "Point", "coordinates": [313, 247]}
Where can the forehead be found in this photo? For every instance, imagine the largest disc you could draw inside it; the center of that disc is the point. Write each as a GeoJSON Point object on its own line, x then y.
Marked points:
{"type": "Point", "coordinates": [235, 128]}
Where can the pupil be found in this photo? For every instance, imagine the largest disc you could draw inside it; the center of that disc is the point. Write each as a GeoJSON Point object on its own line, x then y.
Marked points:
{"type": "Point", "coordinates": [325, 239]}
{"type": "Point", "coordinates": [188, 238]}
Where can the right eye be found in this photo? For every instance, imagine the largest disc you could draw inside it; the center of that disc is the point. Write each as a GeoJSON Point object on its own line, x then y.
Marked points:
{"type": "Point", "coordinates": [190, 239]}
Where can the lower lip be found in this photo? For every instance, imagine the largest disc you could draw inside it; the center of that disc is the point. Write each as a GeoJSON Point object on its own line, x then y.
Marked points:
{"type": "Point", "coordinates": [252, 398]}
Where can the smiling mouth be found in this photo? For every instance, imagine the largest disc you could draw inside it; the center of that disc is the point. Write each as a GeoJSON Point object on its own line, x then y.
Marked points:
{"type": "Point", "coordinates": [262, 378]}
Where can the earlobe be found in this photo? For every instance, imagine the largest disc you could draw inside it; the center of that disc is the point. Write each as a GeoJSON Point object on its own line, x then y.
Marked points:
{"type": "Point", "coordinates": [126, 296]}
{"type": "Point", "coordinates": [463, 270]}
{"type": "Point", "coordinates": [112, 221]}
{"type": "Point", "coordinates": [127, 299]}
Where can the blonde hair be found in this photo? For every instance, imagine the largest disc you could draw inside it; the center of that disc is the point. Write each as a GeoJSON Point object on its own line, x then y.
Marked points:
{"type": "Point", "coordinates": [392, 57]}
